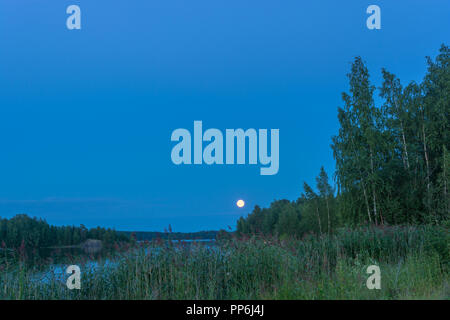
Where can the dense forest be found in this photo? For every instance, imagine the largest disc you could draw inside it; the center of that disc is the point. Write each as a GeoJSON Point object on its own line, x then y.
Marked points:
{"type": "Point", "coordinates": [22, 230]}
{"type": "Point", "coordinates": [392, 159]}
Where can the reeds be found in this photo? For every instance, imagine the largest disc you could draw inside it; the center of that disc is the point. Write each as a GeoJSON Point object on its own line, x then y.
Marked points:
{"type": "Point", "coordinates": [413, 260]}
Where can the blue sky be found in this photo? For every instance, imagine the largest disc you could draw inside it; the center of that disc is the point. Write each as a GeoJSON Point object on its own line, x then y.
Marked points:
{"type": "Point", "coordinates": [86, 115]}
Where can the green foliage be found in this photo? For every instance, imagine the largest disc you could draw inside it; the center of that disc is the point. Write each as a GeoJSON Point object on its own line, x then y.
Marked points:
{"type": "Point", "coordinates": [392, 160]}
{"type": "Point", "coordinates": [283, 217]}
{"type": "Point", "coordinates": [23, 231]}
{"type": "Point", "coordinates": [316, 267]}
{"type": "Point", "coordinates": [312, 212]}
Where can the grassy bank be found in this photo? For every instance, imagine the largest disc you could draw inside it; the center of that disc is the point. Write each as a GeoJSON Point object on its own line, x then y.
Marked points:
{"type": "Point", "coordinates": [414, 263]}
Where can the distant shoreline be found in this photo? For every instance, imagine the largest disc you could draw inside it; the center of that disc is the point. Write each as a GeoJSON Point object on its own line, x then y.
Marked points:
{"type": "Point", "coordinates": [154, 235]}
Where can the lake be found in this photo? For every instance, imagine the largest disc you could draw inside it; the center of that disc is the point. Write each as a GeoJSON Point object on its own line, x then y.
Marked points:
{"type": "Point", "coordinates": [51, 263]}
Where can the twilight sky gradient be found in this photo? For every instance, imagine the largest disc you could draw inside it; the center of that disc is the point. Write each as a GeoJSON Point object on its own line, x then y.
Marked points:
{"type": "Point", "coordinates": [86, 115]}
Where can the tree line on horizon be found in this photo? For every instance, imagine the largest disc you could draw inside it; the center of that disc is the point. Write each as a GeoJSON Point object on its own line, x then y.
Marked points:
{"type": "Point", "coordinates": [21, 230]}
{"type": "Point", "coordinates": [392, 159]}
{"type": "Point", "coordinates": [169, 235]}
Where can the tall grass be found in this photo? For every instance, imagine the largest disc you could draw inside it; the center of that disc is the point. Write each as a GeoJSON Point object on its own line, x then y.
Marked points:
{"type": "Point", "coordinates": [414, 263]}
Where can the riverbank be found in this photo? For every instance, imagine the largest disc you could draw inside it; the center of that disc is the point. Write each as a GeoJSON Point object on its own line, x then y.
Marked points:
{"type": "Point", "coordinates": [414, 264]}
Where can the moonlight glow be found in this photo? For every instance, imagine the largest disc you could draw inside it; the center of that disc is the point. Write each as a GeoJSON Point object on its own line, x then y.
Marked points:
{"type": "Point", "coordinates": [240, 203]}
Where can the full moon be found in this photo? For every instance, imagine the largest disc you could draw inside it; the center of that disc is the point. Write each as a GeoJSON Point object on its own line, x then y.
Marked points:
{"type": "Point", "coordinates": [240, 203]}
